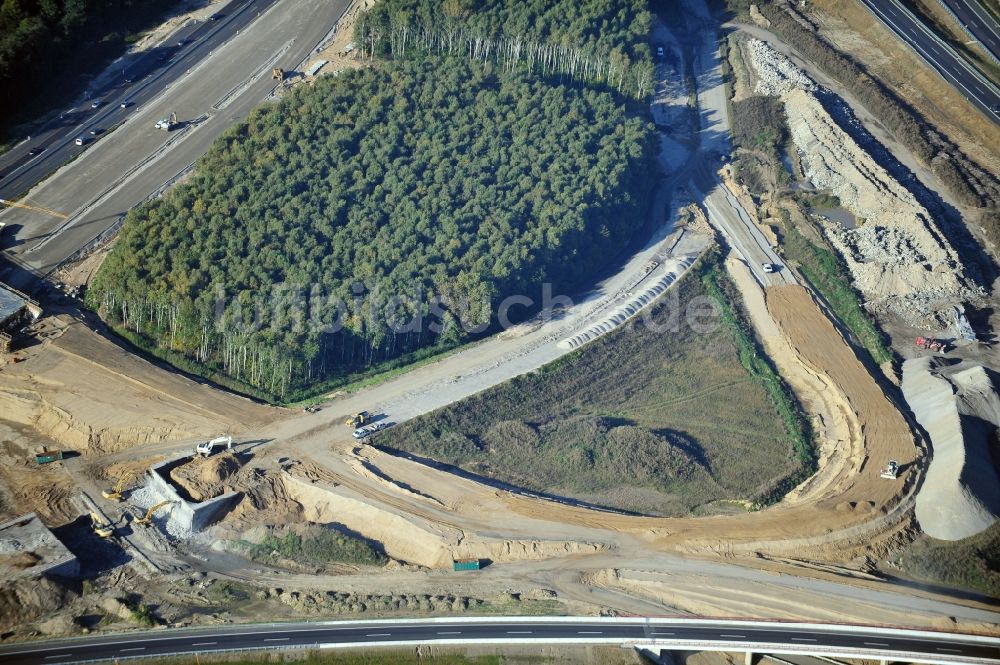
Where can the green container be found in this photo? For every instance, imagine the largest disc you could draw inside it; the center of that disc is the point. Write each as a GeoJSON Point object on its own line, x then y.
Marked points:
{"type": "Point", "coordinates": [466, 564]}
{"type": "Point", "coordinates": [45, 458]}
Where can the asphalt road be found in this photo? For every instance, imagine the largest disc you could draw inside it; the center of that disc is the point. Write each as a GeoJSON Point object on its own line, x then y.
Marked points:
{"type": "Point", "coordinates": [149, 72]}
{"type": "Point", "coordinates": [136, 160]}
{"type": "Point", "coordinates": [804, 639]}
{"type": "Point", "coordinates": [977, 21]}
{"type": "Point", "coordinates": [952, 67]}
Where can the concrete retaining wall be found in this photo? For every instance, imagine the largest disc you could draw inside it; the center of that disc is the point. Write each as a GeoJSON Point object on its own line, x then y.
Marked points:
{"type": "Point", "coordinates": [190, 514]}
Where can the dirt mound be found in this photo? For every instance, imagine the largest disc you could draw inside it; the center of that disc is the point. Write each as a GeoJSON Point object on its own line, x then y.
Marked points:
{"type": "Point", "coordinates": [897, 256]}
{"type": "Point", "coordinates": [25, 600]}
{"type": "Point", "coordinates": [819, 345]}
{"type": "Point", "coordinates": [959, 409]}
{"type": "Point", "coordinates": [206, 477]}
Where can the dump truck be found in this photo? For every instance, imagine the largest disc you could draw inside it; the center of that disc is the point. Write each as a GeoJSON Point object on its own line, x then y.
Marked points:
{"type": "Point", "coordinates": [358, 419]}
{"type": "Point", "coordinates": [206, 448]}
{"type": "Point", "coordinates": [465, 564]}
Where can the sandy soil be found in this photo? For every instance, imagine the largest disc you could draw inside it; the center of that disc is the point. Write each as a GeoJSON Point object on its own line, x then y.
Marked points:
{"type": "Point", "coordinates": [87, 393]}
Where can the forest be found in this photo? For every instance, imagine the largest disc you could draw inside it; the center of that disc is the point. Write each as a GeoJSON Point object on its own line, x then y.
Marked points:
{"type": "Point", "coordinates": [313, 239]}
{"type": "Point", "coordinates": [48, 48]}
{"type": "Point", "coordinates": [598, 41]}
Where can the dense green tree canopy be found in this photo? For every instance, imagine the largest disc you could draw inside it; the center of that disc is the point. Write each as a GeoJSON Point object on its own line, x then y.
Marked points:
{"type": "Point", "coordinates": [438, 174]}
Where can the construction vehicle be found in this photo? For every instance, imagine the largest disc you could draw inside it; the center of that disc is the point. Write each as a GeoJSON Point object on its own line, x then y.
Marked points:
{"type": "Point", "coordinates": [168, 123]}
{"type": "Point", "coordinates": [278, 74]}
{"type": "Point", "coordinates": [206, 448]}
{"type": "Point", "coordinates": [47, 456]}
{"type": "Point", "coordinates": [358, 419]}
{"type": "Point", "coordinates": [931, 344]}
{"type": "Point", "coordinates": [115, 493]}
{"type": "Point", "coordinates": [465, 564]}
{"type": "Point", "coordinates": [146, 519]}
{"type": "Point", "coordinates": [25, 206]}
{"type": "Point", "coordinates": [890, 471]}
{"type": "Point", "coordinates": [101, 528]}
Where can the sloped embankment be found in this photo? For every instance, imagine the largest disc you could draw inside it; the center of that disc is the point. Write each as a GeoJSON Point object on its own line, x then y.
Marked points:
{"type": "Point", "coordinates": [959, 409]}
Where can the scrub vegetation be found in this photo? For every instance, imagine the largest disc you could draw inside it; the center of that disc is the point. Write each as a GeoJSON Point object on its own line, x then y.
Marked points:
{"type": "Point", "coordinates": [658, 417]}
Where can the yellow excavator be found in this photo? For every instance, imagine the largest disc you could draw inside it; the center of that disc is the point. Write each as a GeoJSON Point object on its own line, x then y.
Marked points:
{"type": "Point", "coordinates": [101, 528]}
{"type": "Point", "coordinates": [148, 517]}
{"type": "Point", "coordinates": [115, 493]}
{"type": "Point", "coordinates": [15, 204]}
{"type": "Point", "coordinates": [358, 419]}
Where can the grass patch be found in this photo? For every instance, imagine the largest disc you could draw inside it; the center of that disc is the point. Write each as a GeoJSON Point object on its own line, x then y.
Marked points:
{"type": "Point", "coordinates": [659, 416]}
{"type": "Point", "coordinates": [323, 546]}
{"type": "Point", "coordinates": [829, 276]}
{"type": "Point", "coordinates": [972, 563]}
{"type": "Point", "coordinates": [753, 360]}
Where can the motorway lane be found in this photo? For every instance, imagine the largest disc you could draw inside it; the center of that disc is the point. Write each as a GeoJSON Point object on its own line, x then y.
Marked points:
{"type": "Point", "coordinates": [151, 73]}
{"type": "Point", "coordinates": [952, 67]}
{"type": "Point", "coordinates": [977, 21]}
{"type": "Point", "coordinates": [290, 30]}
{"type": "Point", "coordinates": [663, 632]}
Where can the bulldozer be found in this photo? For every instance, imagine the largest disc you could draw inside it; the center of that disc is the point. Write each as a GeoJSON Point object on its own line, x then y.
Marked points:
{"type": "Point", "coordinates": [358, 419]}
{"type": "Point", "coordinates": [890, 471]}
{"type": "Point", "coordinates": [115, 493]}
{"type": "Point", "coordinates": [146, 519]}
{"type": "Point", "coordinates": [277, 74]}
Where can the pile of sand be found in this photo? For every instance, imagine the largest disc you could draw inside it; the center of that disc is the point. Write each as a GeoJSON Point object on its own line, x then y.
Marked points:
{"type": "Point", "coordinates": [959, 408]}
{"type": "Point", "coordinates": [24, 600]}
{"type": "Point", "coordinates": [205, 478]}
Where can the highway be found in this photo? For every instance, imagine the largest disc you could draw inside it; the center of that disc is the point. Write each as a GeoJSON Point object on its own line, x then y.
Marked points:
{"type": "Point", "coordinates": [150, 73]}
{"type": "Point", "coordinates": [973, 85]}
{"type": "Point", "coordinates": [658, 633]}
{"type": "Point", "coordinates": [135, 161]}
{"type": "Point", "coordinates": [977, 20]}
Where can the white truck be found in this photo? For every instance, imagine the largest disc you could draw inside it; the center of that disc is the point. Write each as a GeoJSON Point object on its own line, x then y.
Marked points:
{"type": "Point", "coordinates": [206, 448]}
{"type": "Point", "coordinates": [166, 124]}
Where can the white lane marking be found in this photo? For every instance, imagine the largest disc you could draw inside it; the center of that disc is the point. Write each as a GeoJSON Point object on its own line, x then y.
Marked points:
{"type": "Point", "coordinates": [519, 632]}
{"type": "Point", "coordinates": [378, 634]}
{"type": "Point", "coordinates": [588, 632]}
{"type": "Point", "coordinates": [876, 644]}
{"type": "Point", "coordinates": [276, 639]}
{"type": "Point", "coordinates": [450, 632]}
{"type": "Point", "coordinates": [203, 644]}
{"type": "Point", "coordinates": [803, 639]}
{"type": "Point", "coordinates": [725, 635]}
{"type": "Point", "coordinates": [134, 649]}
{"type": "Point", "coordinates": [951, 650]}
{"type": "Point", "coordinates": [663, 633]}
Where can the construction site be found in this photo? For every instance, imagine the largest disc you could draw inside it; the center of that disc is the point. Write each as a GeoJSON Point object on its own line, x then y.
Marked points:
{"type": "Point", "coordinates": [133, 495]}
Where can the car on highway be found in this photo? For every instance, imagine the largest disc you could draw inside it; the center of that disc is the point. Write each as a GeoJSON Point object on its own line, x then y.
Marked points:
{"type": "Point", "coordinates": [81, 140]}
{"type": "Point", "coordinates": [216, 17]}
{"type": "Point", "coordinates": [95, 131]}
{"type": "Point", "coordinates": [769, 267]}
{"type": "Point", "coordinates": [96, 104]}
{"type": "Point", "coordinates": [34, 152]}
{"type": "Point", "coordinates": [125, 104]}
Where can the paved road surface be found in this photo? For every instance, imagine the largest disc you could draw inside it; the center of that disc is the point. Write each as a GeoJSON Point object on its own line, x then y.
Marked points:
{"type": "Point", "coordinates": [979, 22]}
{"type": "Point", "coordinates": [136, 160]}
{"type": "Point", "coordinates": [951, 66]}
{"type": "Point", "coordinates": [150, 73]}
{"type": "Point", "coordinates": [661, 632]}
